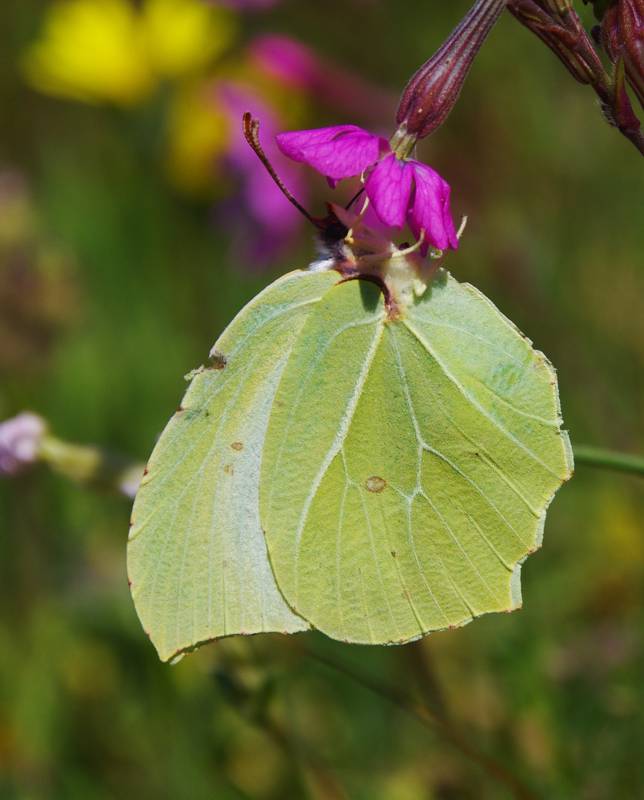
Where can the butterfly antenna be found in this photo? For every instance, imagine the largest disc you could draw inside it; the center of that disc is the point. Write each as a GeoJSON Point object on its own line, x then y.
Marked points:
{"type": "Point", "coordinates": [251, 134]}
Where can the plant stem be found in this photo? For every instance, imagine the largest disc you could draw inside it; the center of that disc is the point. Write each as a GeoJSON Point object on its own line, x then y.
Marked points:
{"type": "Point", "coordinates": [93, 466]}
{"type": "Point", "coordinates": [494, 769]}
{"type": "Point", "coordinates": [559, 26]}
{"type": "Point", "coordinates": [608, 459]}
{"type": "Point", "coordinates": [420, 664]}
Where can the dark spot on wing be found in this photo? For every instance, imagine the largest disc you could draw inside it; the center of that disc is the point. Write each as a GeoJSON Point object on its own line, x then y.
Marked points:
{"type": "Point", "coordinates": [216, 360]}
{"type": "Point", "coordinates": [238, 446]}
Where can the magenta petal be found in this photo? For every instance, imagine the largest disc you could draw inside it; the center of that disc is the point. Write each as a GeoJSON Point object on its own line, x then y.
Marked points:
{"type": "Point", "coordinates": [430, 210]}
{"type": "Point", "coordinates": [388, 188]}
{"type": "Point", "coordinates": [340, 151]}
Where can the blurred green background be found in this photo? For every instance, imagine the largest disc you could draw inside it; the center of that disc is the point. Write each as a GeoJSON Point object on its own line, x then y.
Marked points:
{"type": "Point", "coordinates": [118, 269]}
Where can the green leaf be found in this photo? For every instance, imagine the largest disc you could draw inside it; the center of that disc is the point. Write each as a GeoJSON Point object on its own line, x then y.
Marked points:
{"type": "Point", "coordinates": [409, 462]}
{"type": "Point", "coordinates": [197, 558]}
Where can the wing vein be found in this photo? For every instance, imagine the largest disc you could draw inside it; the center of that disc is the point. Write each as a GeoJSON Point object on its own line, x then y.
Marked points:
{"type": "Point", "coordinates": [338, 441]}
{"type": "Point", "coordinates": [423, 342]}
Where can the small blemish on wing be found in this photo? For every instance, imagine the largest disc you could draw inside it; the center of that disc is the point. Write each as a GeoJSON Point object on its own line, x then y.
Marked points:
{"type": "Point", "coordinates": [238, 446]}
{"type": "Point", "coordinates": [375, 484]}
{"type": "Point", "coordinates": [216, 360]}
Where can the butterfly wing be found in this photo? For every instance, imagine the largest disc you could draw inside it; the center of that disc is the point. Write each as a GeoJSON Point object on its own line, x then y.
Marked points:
{"type": "Point", "coordinates": [197, 558]}
{"type": "Point", "coordinates": [408, 463]}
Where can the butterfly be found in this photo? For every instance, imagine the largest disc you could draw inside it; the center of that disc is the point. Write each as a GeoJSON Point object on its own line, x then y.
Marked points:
{"type": "Point", "coordinates": [370, 452]}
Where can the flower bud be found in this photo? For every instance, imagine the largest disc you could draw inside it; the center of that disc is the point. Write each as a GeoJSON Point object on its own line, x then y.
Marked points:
{"type": "Point", "coordinates": [20, 439]}
{"type": "Point", "coordinates": [631, 33]}
{"type": "Point", "coordinates": [621, 34]}
{"type": "Point", "coordinates": [433, 91]}
{"type": "Point", "coordinates": [624, 116]}
{"type": "Point", "coordinates": [600, 7]}
{"type": "Point", "coordinates": [609, 34]}
{"type": "Point", "coordinates": [558, 26]}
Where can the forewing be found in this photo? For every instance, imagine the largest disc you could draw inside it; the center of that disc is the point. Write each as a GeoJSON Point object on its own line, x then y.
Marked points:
{"type": "Point", "coordinates": [197, 558]}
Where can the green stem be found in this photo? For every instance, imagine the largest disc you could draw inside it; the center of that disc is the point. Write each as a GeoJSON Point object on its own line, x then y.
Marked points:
{"type": "Point", "coordinates": [91, 466]}
{"type": "Point", "coordinates": [608, 459]}
{"type": "Point", "coordinates": [430, 719]}
{"type": "Point", "coordinates": [94, 466]}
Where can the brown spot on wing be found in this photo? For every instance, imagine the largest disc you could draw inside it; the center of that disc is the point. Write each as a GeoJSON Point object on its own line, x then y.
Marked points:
{"type": "Point", "coordinates": [375, 484]}
{"type": "Point", "coordinates": [238, 446]}
{"type": "Point", "coordinates": [216, 359]}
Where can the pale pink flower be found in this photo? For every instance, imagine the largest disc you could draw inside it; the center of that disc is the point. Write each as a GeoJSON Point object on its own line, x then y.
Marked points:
{"type": "Point", "coordinates": [20, 439]}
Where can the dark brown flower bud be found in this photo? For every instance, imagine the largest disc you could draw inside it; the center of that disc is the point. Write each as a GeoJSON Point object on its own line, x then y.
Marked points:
{"type": "Point", "coordinates": [622, 37]}
{"type": "Point", "coordinates": [609, 34]}
{"type": "Point", "coordinates": [433, 91]}
{"type": "Point", "coordinates": [600, 7]}
{"type": "Point", "coordinates": [631, 32]}
{"type": "Point", "coordinates": [624, 116]}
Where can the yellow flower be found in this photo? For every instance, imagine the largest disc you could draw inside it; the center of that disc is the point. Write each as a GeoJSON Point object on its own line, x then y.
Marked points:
{"type": "Point", "coordinates": [197, 134]}
{"type": "Point", "coordinates": [183, 36]}
{"type": "Point", "coordinates": [108, 50]}
{"type": "Point", "coordinates": [91, 50]}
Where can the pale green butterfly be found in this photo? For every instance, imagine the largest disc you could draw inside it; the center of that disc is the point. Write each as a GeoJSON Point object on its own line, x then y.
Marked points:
{"type": "Point", "coordinates": [372, 458]}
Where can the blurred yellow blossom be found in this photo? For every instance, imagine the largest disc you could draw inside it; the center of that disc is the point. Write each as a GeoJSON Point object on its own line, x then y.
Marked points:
{"type": "Point", "coordinates": [110, 50]}
{"type": "Point", "coordinates": [199, 129]}
{"type": "Point", "coordinates": [197, 134]}
{"type": "Point", "coordinates": [91, 50]}
{"type": "Point", "coordinates": [618, 533]}
{"type": "Point", "coordinates": [183, 36]}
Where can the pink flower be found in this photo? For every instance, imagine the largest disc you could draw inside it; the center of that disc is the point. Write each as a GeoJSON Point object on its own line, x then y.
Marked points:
{"type": "Point", "coordinates": [292, 63]}
{"type": "Point", "coordinates": [20, 439]}
{"type": "Point", "coordinates": [287, 60]}
{"type": "Point", "coordinates": [401, 190]}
